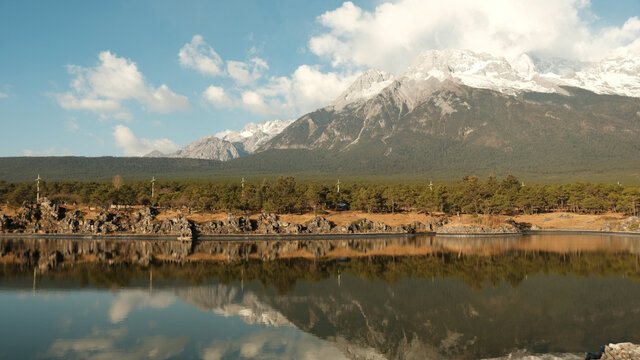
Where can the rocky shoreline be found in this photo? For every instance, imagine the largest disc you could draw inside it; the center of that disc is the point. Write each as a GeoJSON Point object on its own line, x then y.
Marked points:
{"type": "Point", "coordinates": [48, 217]}
{"type": "Point", "coordinates": [51, 219]}
{"type": "Point", "coordinates": [618, 351]}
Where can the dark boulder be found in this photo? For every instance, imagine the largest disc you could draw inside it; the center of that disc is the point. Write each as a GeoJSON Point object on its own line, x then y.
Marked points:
{"type": "Point", "coordinates": [319, 225]}
{"type": "Point", "coordinates": [142, 221]}
{"type": "Point", "coordinates": [268, 223]}
{"type": "Point", "coordinates": [178, 225]}
{"type": "Point", "coordinates": [210, 228]}
{"type": "Point", "coordinates": [70, 224]}
{"type": "Point", "coordinates": [5, 223]}
{"type": "Point", "coordinates": [285, 227]}
{"type": "Point", "coordinates": [236, 225]}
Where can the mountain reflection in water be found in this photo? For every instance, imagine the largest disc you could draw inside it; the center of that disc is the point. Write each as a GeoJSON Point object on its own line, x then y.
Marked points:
{"type": "Point", "coordinates": [380, 298]}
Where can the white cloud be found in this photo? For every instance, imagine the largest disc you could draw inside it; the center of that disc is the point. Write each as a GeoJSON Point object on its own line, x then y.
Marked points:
{"type": "Point", "coordinates": [305, 90]}
{"type": "Point", "coordinates": [134, 146]}
{"type": "Point", "coordinates": [278, 96]}
{"type": "Point", "coordinates": [246, 73]}
{"type": "Point", "coordinates": [138, 299]}
{"type": "Point", "coordinates": [269, 343]}
{"type": "Point", "coordinates": [69, 101]}
{"type": "Point", "coordinates": [3, 95]}
{"type": "Point", "coordinates": [103, 89]}
{"type": "Point", "coordinates": [108, 347]}
{"type": "Point", "coordinates": [218, 97]}
{"type": "Point", "coordinates": [395, 32]}
{"type": "Point", "coordinates": [254, 102]}
{"type": "Point", "coordinates": [200, 56]}
{"type": "Point", "coordinates": [313, 88]}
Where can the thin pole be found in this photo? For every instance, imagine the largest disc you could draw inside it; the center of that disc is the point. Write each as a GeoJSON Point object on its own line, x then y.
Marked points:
{"type": "Point", "coordinates": [153, 187]}
{"type": "Point", "coordinates": [38, 189]}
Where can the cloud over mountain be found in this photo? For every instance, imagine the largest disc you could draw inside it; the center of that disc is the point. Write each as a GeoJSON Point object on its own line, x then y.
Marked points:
{"type": "Point", "coordinates": [395, 32]}
{"type": "Point", "coordinates": [132, 145]}
{"type": "Point", "coordinates": [307, 88]}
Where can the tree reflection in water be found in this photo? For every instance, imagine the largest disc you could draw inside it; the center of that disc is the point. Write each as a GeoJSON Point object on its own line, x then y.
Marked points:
{"type": "Point", "coordinates": [413, 297]}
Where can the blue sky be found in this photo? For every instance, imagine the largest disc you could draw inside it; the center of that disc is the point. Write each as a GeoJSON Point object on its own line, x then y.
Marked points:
{"type": "Point", "coordinates": [108, 78]}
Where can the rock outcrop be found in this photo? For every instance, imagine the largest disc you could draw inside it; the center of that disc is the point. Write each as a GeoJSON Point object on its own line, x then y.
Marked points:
{"type": "Point", "coordinates": [630, 224]}
{"type": "Point", "coordinates": [475, 229]}
{"type": "Point", "coordinates": [318, 225]}
{"type": "Point", "coordinates": [621, 351]}
{"type": "Point", "coordinates": [178, 225]}
{"type": "Point", "coordinates": [48, 217]}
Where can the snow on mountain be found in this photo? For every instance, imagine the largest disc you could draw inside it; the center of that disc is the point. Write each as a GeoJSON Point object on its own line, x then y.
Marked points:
{"type": "Point", "coordinates": [208, 147]}
{"type": "Point", "coordinates": [228, 144]}
{"type": "Point", "coordinates": [229, 301]}
{"type": "Point", "coordinates": [370, 83]}
{"type": "Point", "coordinates": [478, 70]}
{"type": "Point", "coordinates": [252, 136]}
{"type": "Point", "coordinates": [557, 67]}
{"type": "Point", "coordinates": [617, 74]}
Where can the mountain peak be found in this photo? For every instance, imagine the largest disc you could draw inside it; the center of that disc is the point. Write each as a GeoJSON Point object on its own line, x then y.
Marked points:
{"type": "Point", "coordinates": [208, 147]}
{"type": "Point", "coordinates": [479, 70]}
{"type": "Point", "coordinates": [252, 136]}
{"type": "Point", "coordinates": [615, 74]}
{"type": "Point", "coordinates": [367, 85]}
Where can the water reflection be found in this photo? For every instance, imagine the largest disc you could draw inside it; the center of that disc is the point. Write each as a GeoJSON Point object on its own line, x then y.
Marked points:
{"type": "Point", "coordinates": [445, 298]}
{"type": "Point", "coordinates": [128, 300]}
{"type": "Point", "coordinates": [47, 253]}
{"type": "Point", "coordinates": [103, 346]}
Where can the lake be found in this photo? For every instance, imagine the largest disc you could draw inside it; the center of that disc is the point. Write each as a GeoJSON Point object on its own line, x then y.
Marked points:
{"type": "Point", "coordinates": [404, 297]}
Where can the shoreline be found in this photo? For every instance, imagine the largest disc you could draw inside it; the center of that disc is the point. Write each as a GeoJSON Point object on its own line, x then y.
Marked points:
{"type": "Point", "coordinates": [48, 219]}
{"type": "Point", "coordinates": [314, 236]}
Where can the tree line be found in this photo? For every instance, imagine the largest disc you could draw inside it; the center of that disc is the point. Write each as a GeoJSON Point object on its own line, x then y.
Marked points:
{"type": "Point", "coordinates": [470, 195]}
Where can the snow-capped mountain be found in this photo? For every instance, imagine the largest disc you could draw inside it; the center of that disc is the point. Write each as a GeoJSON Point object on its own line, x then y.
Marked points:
{"type": "Point", "coordinates": [370, 83]}
{"type": "Point", "coordinates": [228, 144]}
{"type": "Point", "coordinates": [456, 109]}
{"type": "Point", "coordinates": [617, 74]}
{"type": "Point", "coordinates": [208, 147]}
{"type": "Point", "coordinates": [428, 81]}
{"type": "Point", "coordinates": [228, 301]}
{"type": "Point", "coordinates": [252, 136]}
{"type": "Point", "coordinates": [556, 66]}
{"type": "Point", "coordinates": [478, 70]}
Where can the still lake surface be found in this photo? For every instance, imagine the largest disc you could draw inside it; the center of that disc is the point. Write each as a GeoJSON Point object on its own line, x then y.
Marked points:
{"type": "Point", "coordinates": [410, 297]}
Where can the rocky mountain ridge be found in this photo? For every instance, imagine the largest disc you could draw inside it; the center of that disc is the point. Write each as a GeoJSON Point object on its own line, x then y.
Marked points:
{"type": "Point", "coordinates": [252, 136]}
{"type": "Point", "coordinates": [228, 144]}
{"type": "Point", "coordinates": [616, 74]}
{"type": "Point", "coordinates": [453, 106]}
{"type": "Point", "coordinates": [458, 109]}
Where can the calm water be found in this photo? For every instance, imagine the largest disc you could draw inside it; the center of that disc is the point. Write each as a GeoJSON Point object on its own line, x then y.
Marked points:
{"type": "Point", "coordinates": [392, 298]}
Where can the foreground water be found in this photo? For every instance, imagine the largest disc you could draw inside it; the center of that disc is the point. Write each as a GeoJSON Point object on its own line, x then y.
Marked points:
{"type": "Point", "coordinates": [546, 297]}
